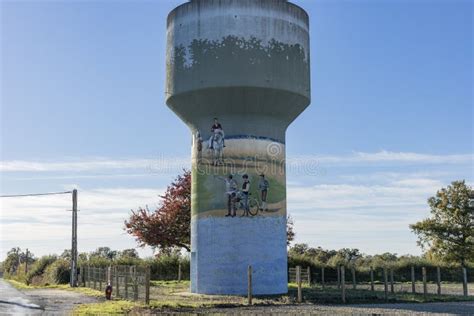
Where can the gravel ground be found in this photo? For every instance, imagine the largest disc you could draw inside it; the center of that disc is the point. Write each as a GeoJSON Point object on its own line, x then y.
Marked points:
{"type": "Point", "coordinates": [453, 308]}
{"type": "Point", "coordinates": [58, 302]}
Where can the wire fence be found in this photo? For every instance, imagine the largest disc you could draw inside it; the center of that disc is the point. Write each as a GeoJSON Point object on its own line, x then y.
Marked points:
{"type": "Point", "coordinates": [127, 282]}
{"type": "Point", "coordinates": [390, 281]}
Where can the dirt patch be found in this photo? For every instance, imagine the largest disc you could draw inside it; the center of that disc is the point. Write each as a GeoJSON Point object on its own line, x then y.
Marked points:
{"type": "Point", "coordinates": [451, 308]}
{"type": "Point", "coordinates": [58, 301]}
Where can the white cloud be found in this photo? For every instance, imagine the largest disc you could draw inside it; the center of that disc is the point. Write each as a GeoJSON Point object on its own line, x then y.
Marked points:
{"type": "Point", "coordinates": [372, 217]}
{"type": "Point", "coordinates": [347, 196]}
{"type": "Point", "coordinates": [163, 164]}
{"type": "Point", "coordinates": [384, 156]}
{"type": "Point", "coordinates": [44, 222]}
{"type": "Point", "coordinates": [151, 165]}
{"type": "Point", "coordinates": [368, 208]}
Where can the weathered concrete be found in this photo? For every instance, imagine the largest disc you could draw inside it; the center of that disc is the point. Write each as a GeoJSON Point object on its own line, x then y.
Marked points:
{"type": "Point", "coordinates": [245, 62]}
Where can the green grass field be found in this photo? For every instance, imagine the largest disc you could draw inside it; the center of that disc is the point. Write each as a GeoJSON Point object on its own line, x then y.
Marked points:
{"type": "Point", "coordinates": [172, 296]}
{"type": "Point", "coordinates": [169, 296]}
{"type": "Point", "coordinates": [83, 290]}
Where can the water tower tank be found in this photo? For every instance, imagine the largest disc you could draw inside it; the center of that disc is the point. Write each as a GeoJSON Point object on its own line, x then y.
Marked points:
{"type": "Point", "coordinates": [238, 75]}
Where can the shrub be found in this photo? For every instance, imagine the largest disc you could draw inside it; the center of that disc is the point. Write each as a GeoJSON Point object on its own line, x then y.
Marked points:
{"type": "Point", "coordinates": [19, 275]}
{"type": "Point", "coordinates": [166, 267]}
{"type": "Point", "coordinates": [57, 273]}
{"type": "Point", "coordinates": [38, 268]}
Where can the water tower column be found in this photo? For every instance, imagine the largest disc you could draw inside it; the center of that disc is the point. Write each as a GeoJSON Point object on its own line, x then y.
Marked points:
{"type": "Point", "coordinates": [238, 75]}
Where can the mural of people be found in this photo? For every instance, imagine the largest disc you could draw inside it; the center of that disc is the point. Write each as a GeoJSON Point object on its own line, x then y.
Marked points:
{"type": "Point", "coordinates": [238, 187]}
{"type": "Point", "coordinates": [199, 146]}
{"type": "Point", "coordinates": [231, 192]}
{"type": "Point", "coordinates": [216, 128]}
{"type": "Point", "coordinates": [245, 194]}
{"type": "Point", "coordinates": [263, 186]}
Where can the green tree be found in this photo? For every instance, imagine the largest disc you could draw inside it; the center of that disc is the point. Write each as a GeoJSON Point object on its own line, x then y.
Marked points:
{"type": "Point", "coordinates": [15, 257]}
{"type": "Point", "coordinates": [386, 259]}
{"type": "Point", "coordinates": [104, 252]}
{"type": "Point", "coordinates": [449, 232]}
{"type": "Point", "coordinates": [290, 232]}
{"type": "Point", "coordinates": [128, 253]}
{"type": "Point", "coordinates": [345, 256]}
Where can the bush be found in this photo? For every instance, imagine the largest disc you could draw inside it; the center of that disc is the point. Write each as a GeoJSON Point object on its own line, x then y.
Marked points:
{"type": "Point", "coordinates": [19, 275]}
{"type": "Point", "coordinates": [57, 273]}
{"type": "Point", "coordinates": [166, 267]}
{"type": "Point", "coordinates": [38, 268]}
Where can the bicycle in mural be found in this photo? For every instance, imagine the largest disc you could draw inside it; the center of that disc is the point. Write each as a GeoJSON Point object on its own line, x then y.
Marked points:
{"type": "Point", "coordinates": [238, 203]}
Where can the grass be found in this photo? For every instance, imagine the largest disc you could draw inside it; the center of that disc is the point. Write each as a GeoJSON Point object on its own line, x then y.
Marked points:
{"type": "Point", "coordinates": [171, 284]}
{"type": "Point", "coordinates": [332, 295]}
{"type": "Point", "coordinates": [170, 296]}
{"type": "Point", "coordinates": [114, 307]}
{"type": "Point", "coordinates": [82, 290]}
{"type": "Point", "coordinates": [119, 307]}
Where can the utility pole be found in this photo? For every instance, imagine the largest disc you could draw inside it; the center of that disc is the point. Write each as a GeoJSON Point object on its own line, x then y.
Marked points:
{"type": "Point", "coordinates": [18, 254]}
{"type": "Point", "coordinates": [26, 262]}
{"type": "Point", "coordinates": [73, 282]}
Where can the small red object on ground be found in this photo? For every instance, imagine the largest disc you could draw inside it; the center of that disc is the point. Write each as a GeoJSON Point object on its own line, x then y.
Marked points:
{"type": "Point", "coordinates": [108, 291]}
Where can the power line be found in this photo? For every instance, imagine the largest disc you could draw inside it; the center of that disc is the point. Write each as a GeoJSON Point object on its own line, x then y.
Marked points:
{"type": "Point", "coordinates": [35, 194]}
{"type": "Point", "coordinates": [73, 276]}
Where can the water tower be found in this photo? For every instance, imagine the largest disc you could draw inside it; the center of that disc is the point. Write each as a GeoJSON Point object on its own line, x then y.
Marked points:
{"type": "Point", "coordinates": [238, 75]}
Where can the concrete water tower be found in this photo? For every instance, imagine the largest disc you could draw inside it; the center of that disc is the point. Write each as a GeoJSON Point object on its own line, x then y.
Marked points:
{"type": "Point", "coordinates": [238, 75]}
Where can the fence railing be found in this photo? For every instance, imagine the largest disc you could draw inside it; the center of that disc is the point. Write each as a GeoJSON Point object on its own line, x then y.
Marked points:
{"type": "Point", "coordinates": [384, 279]}
{"type": "Point", "coordinates": [128, 282]}
{"type": "Point", "coordinates": [305, 275]}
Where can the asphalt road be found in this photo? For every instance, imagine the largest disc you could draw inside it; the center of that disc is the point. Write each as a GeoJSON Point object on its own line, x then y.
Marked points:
{"type": "Point", "coordinates": [39, 301]}
{"type": "Point", "coordinates": [14, 302]}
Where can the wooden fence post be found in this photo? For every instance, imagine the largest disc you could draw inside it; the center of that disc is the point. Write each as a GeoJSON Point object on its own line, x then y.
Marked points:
{"type": "Point", "coordinates": [438, 279]}
{"type": "Point", "coordinates": [464, 281]}
{"type": "Point", "coordinates": [179, 271]}
{"type": "Point", "coordinates": [117, 284]}
{"type": "Point", "coordinates": [391, 281]}
{"type": "Point", "coordinates": [354, 283]}
{"type": "Point", "coordinates": [343, 284]}
{"type": "Point", "coordinates": [298, 281]}
{"type": "Point", "coordinates": [413, 287]}
{"type": "Point", "coordinates": [126, 283]}
{"type": "Point", "coordinates": [385, 282]}
{"type": "Point", "coordinates": [80, 282]}
{"type": "Point", "coordinates": [94, 273]}
{"type": "Point", "coordinates": [147, 286]}
{"type": "Point", "coordinates": [322, 277]}
{"type": "Point", "coordinates": [425, 289]}
{"type": "Point", "coordinates": [372, 288]}
{"type": "Point", "coordinates": [135, 284]}
{"type": "Point", "coordinates": [101, 276]}
{"type": "Point", "coordinates": [81, 274]}
{"type": "Point", "coordinates": [338, 276]}
{"type": "Point", "coordinates": [309, 276]}
{"type": "Point", "coordinates": [249, 285]}
{"type": "Point", "coordinates": [110, 278]}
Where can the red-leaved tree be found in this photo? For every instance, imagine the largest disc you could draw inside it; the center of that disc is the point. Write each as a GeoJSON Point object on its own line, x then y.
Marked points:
{"type": "Point", "coordinates": [168, 227]}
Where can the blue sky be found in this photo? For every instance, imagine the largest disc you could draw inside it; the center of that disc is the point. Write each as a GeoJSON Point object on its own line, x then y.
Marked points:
{"type": "Point", "coordinates": [82, 105]}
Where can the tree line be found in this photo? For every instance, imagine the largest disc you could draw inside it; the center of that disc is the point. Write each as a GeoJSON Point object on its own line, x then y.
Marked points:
{"type": "Point", "coordinates": [446, 237]}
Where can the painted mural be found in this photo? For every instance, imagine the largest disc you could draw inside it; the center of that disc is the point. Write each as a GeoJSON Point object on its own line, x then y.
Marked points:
{"type": "Point", "coordinates": [236, 58]}
{"type": "Point", "coordinates": [237, 175]}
